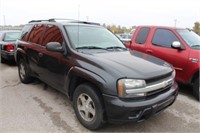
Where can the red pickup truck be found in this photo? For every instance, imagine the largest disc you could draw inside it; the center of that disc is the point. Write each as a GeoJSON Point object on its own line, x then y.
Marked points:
{"type": "Point", "coordinates": [180, 47]}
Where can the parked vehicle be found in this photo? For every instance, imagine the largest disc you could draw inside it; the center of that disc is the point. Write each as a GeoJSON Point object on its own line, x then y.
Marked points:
{"type": "Point", "coordinates": [125, 37]}
{"type": "Point", "coordinates": [178, 46]}
{"type": "Point", "coordinates": [7, 44]}
{"type": "Point", "coordinates": [104, 80]}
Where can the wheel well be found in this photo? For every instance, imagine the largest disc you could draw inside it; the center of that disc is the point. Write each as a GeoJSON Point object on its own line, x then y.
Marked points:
{"type": "Point", "coordinates": [76, 81]}
{"type": "Point", "coordinates": [196, 75]}
{"type": "Point", "coordinates": [19, 56]}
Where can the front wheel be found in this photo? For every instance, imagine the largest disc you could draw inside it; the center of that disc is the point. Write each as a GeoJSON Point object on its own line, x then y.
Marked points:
{"type": "Point", "coordinates": [24, 72]}
{"type": "Point", "coordinates": [196, 89]}
{"type": "Point", "coordinates": [88, 106]}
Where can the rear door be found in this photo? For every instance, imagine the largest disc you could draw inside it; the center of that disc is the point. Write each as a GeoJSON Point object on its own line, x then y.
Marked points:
{"type": "Point", "coordinates": [34, 38]}
{"type": "Point", "coordinates": [140, 36]}
{"type": "Point", "coordinates": [161, 47]}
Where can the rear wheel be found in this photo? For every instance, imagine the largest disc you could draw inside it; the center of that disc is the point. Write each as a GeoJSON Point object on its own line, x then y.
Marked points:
{"type": "Point", "coordinates": [88, 106]}
{"type": "Point", "coordinates": [24, 72]}
{"type": "Point", "coordinates": [196, 89]}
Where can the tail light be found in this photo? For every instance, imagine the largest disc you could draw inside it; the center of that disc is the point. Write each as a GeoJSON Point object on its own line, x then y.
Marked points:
{"type": "Point", "coordinates": [9, 47]}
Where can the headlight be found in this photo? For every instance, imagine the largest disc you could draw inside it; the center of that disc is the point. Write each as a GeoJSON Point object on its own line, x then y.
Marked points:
{"type": "Point", "coordinates": [127, 84]}
{"type": "Point", "coordinates": [173, 74]}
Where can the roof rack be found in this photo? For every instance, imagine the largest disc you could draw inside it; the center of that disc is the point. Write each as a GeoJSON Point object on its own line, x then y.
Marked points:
{"type": "Point", "coordinates": [32, 21]}
{"type": "Point", "coordinates": [68, 20]}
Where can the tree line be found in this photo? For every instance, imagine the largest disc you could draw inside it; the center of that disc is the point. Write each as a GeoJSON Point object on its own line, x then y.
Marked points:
{"type": "Point", "coordinates": [196, 28]}
{"type": "Point", "coordinates": [117, 29]}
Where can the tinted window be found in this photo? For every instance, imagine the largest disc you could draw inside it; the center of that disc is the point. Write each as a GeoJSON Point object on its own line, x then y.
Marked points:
{"type": "Point", "coordinates": [36, 33]}
{"type": "Point", "coordinates": [164, 38]}
{"type": "Point", "coordinates": [142, 35]}
{"type": "Point", "coordinates": [52, 34]}
{"type": "Point", "coordinates": [25, 30]}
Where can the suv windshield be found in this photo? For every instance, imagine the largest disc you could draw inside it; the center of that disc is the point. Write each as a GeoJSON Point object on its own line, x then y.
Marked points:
{"type": "Point", "coordinates": [89, 37]}
{"type": "Point", "coordinates": [191, 38]}
{"type": "Point", "coordinates": [11, 36]}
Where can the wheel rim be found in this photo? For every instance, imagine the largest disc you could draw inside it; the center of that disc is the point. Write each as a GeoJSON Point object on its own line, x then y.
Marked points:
{"type": "Point", "coordinates": [86, 107]}
{"type": "Point", "coordinates": [22, 70]}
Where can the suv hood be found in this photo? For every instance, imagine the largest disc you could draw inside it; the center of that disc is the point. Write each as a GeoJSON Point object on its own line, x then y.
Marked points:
{"type": "Point", "coordinates": [130, 64]}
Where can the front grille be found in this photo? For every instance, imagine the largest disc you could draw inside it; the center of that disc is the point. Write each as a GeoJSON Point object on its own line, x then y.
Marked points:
{"type": "Point", "coordinates": [158, 78]}
{"type": "Point", "coordinates": [157, 92]}
{"type": "Point", "coordinates": [161, 90]}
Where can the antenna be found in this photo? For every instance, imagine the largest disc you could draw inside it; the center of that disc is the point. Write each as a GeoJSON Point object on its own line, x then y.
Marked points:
{"type": "Point", "coordinates": [4, 20]}
{"type": "Point", "coordinates": [78, 23]}
{"type": "Point", "coordinates": [175, 21]}
{"type": "Point", "coordinates": [78, 12]}
{"type": "Point", "coordinates": [87, 18]}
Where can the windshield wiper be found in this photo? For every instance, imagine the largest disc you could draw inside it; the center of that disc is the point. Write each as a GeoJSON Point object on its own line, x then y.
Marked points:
{"type": "Point", "coordinates": [195, 46]}
{"type": "Point", "coordinates": [116, 47]}
{"type": "Point", "coordinates": [90, 47]}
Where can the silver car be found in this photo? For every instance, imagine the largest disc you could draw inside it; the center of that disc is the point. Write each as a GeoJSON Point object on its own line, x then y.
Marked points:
{"type": "Point", "coordinates": [7, 44]}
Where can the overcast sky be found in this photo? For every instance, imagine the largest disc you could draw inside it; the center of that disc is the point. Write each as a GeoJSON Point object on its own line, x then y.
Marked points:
{"type": "Point", "coordinates": [119, 12]}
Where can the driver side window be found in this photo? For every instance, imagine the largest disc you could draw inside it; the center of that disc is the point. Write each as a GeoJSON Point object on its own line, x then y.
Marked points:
{"type": "Point", "coordinates": [164, 38]}
{"type": "Point", "coordinates": [52, 34]}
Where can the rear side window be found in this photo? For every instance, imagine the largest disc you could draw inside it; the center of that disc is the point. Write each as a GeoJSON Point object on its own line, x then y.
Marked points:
{"type": "Point", "coordinates": [37, 33]}
{"type": "Point", "coordinates": [142, 35]}
{"type": "Point", "coordinates": [164, 38]}
{"type": "Point", "coordinates": [52, 34]}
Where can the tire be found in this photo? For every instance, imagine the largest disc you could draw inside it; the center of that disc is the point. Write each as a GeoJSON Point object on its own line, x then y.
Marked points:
{"type": "Point", "coordinates": [88, 106]}
{"type": "Point", "coordinates": [196, 88]}
{"type": "Point", "coordinates": [24, 72]}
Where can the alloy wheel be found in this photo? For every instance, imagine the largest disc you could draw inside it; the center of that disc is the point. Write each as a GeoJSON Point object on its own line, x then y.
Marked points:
{"type": "Point", "coordinates": [86, 107]}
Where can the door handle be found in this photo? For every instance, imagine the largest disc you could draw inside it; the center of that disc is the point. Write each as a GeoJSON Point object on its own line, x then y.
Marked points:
{"type": "Point", "coordinates": [149, 51]}
{"type": "Point", "coordinates": [40, 54]}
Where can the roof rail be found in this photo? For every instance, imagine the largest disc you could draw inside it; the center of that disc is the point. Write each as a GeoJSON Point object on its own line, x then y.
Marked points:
{"type": "Point", "coordinates": [32, 21]}
{"type": "Point", "coordinates": [85, 22]}
{"type": "Point", "coordinates": [74, 21]}
{"type": "Point", "coordinates": [68, 20]}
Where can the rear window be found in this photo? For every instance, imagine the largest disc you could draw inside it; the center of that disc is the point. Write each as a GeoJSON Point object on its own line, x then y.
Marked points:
{"type": "Point", "coordinates": [11, 36]}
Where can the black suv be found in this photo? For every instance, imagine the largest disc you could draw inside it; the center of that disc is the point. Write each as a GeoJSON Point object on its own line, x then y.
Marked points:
{"type": "Point", "coordinates": [104, 80]}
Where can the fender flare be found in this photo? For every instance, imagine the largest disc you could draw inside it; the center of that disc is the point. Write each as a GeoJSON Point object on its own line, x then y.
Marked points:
{"type": "Point", "coordinates": [84, 74]}
{"type": "Point", "coordinates": [20, 52]}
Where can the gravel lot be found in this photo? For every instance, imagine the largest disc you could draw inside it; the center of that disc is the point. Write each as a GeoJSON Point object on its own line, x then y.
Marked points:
{"type": "Point", "coordinates": [38, 108]}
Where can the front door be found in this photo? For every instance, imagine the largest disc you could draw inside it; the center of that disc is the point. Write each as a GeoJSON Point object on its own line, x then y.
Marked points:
{"type": "Point", "coordinates": [53, 64]}
{"type": "Point", "coordinates": [161, 48]}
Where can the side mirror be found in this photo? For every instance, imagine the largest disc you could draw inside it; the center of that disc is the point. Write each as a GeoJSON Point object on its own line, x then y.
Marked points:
{"type": "Point", "coordinates": [54, 46]}
{"type": "Point", "coordinates": [177, 45]}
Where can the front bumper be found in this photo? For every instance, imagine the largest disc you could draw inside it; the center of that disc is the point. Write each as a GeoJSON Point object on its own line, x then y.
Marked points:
{"type": "Point", "coordinates": [125, 110]}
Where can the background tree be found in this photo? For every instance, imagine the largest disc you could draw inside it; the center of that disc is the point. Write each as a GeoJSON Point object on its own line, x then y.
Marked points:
{"type": "Point", "coordinates": [196, 28]}
{"type": "Point", "coordinates": [117, 29]}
